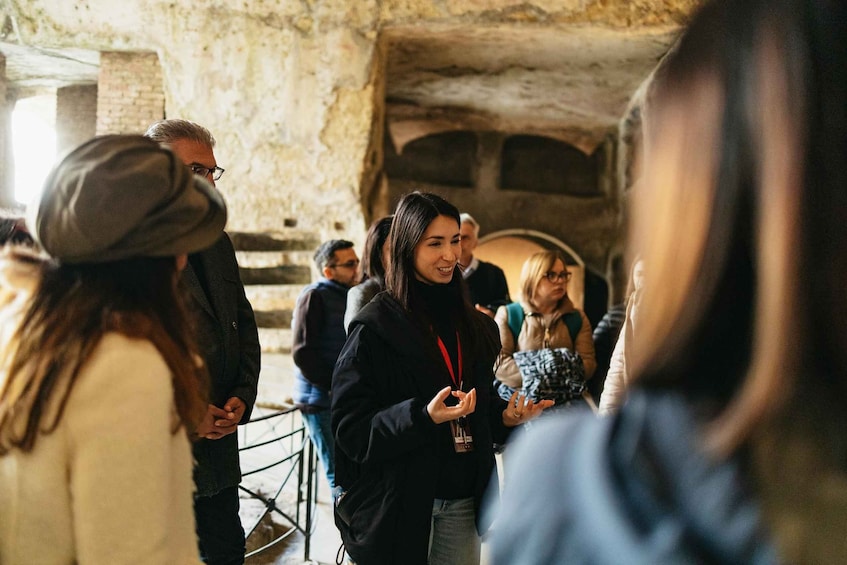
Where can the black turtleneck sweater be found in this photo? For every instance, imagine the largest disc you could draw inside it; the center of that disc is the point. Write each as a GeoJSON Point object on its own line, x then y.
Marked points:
{"type": "Point", "coordinates": [457, 471]}
{"type": "Point", "coordinates": [437, 303]}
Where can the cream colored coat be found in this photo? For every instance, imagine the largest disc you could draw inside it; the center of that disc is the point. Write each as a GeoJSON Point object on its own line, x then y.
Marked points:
{"type": "Point", "coordinates": [111, 484]}
{"type": "Point", "coordinates": [537, 334]}
{"type": "Point", "coordinates": [617, 378]}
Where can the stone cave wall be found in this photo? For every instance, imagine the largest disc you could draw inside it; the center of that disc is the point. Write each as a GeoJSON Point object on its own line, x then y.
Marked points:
{"type": "Point", "coordinates": [76, 115]}
{"type": "Point", "coordinates": [295, 94]}
{"type": "Point", "coordinates": [292, 90]}
{"type": "Point", "coordinates": [7, 184]}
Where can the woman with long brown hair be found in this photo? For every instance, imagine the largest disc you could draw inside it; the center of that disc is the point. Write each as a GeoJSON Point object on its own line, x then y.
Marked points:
{"type": "Point", "coordinates": [371, 269]}
{"type": "Point", "coordinates": [732, 446]}
{"type": "Point", "coordinates": [101, 379]}
{"type": "Point", "coordinates": [414, 412]}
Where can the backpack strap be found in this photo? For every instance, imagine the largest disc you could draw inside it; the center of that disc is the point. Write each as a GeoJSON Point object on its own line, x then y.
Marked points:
{"type": "Point", "coordinates": [514, 317]}
{"type": "Point", "coordinates": [574, 322]}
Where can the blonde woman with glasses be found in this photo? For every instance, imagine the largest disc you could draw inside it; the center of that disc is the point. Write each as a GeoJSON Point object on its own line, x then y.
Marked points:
{"type": "Point", "coordinates": [550, 320]}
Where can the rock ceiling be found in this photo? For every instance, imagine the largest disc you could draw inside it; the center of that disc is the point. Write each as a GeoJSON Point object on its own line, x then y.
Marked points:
{"type": "Point", "coordinates": [33, 68]}
{"type": "Point", "coordinates": [573, 84]}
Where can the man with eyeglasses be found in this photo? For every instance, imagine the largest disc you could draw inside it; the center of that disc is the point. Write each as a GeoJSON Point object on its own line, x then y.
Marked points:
{"type": "Point", "coordinates": [486, 282]}
{"type": "Point", "coordinates": [229, 343]}
{"type": "Point", "coordinates": [319, 336]}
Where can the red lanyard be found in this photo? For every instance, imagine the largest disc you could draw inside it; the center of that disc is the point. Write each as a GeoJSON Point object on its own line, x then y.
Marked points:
{"type": "Point", "coordinates": [450, 363]}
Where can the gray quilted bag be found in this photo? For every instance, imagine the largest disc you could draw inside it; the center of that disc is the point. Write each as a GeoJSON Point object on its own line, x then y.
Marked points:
{"type": "Point", "coordinates": [551, 374]}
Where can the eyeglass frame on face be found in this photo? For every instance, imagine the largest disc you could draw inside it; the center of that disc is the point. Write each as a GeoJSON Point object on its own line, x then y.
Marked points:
{"type": "Point", "coordinates": [563, 276]}
{"type": "Point", "coordinates": [215, 172]}
{"type": "Point", "coordinates": [351, 264]}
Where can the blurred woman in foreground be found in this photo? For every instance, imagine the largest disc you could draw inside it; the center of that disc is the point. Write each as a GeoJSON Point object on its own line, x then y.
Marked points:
{"type": "Point", "coordinates": [732, 446]}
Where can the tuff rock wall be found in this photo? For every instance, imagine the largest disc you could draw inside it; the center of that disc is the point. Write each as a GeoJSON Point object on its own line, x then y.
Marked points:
{"type": "Point", "coordinates": [294, 89]}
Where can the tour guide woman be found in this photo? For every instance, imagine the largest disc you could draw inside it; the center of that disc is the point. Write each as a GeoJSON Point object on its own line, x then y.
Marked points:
{"type": "Point", "coordinates": [413, 410]}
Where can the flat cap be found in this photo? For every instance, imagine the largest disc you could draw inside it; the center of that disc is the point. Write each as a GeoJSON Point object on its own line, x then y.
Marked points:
{"type": "Point", "coordinates": [120, 196]}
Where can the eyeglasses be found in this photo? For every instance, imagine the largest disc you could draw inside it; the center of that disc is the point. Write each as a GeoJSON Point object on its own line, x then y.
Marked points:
{"type": "Point", "coordinates": [351, 264]}
{"type": "Point", "coordinates": [215, 172]}
{"type": "Point", "coordinates": [556, 277]}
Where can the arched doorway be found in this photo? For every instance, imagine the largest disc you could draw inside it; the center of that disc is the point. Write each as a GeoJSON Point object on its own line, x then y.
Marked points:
{"type": "Point", "coordinates": [508, 249]}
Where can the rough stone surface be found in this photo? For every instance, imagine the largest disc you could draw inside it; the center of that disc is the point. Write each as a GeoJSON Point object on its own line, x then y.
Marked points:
{"type": "Point", "coordinates": [288, 87]}
{"type": "Point", "coordinates": [76, 115]}
{"type": "Point", "coordinates": [7, 194]}
{"type": "Point", "coordinates": [298, 93]}
{"type": "Point", "coordinates": [573, 83]}
{"type": "Point", "coordinates": [29, 67]}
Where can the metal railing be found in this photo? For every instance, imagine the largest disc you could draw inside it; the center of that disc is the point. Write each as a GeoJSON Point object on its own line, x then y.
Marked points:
{"type": "Point", "coordinates": [279, 451]}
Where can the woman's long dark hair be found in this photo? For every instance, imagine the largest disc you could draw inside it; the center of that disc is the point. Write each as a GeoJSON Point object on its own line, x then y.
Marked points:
{"type": "Point", "coordinates": [414, 213]}
{"type": "Point", "coordinates": [371, 266]}
{"type": "Point", "coordinates": [63, 322]}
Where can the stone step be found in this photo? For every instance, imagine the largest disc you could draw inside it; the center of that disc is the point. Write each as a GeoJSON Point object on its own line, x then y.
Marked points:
{"type": "Point", "coordinates": [274, 267]}
{"type": "Point", "coordinates": [275, 340]}
{"type": "Point", "coordinates": [282, 275]}
{"type": "Point", "coordinates": [258, 259]}
{"type": "Point", "coordinates": [288, 240]}
{"type": "Point", "coordinates": [280, 319]}
{"type": "Point", "coordinates": [273, 297]}
{"type": "Point", "coordinates": [273, 305]}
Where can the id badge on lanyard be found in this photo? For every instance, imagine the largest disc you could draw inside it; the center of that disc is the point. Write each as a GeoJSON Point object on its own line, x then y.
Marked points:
{"type": "Point", "coordinates": [459, 429]}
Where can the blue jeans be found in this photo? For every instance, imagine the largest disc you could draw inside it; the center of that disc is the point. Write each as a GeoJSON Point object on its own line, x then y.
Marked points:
{"type": "Point", "coordinates": [453, 539]}
{"type": "Point", "coordinates": [320, 432]}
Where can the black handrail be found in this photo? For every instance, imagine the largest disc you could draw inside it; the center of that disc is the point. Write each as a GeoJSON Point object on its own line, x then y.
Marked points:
{"type": "Point", "coordinates": [288, 444]}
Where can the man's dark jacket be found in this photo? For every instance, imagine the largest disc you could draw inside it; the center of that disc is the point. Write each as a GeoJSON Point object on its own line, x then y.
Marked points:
{"type": "Point", "coordinates": [385, 442]}
{"type": "Point", "coordinates": [487, 286]}
{"type": "Point", "coordinates": [319, 335]}
{"type": "Point", "coordinates": [229, 342]}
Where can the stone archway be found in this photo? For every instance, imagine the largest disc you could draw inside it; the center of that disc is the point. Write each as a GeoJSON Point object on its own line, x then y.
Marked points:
{"type": "Point", "coordinates": [508, 249]}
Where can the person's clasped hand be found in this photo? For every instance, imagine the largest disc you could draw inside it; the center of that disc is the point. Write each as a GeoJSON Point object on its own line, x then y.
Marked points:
{"type": "Point", "coordinates": [220, 422]}
{"type": "Point", "coordinates": [521, 409]}
{"type": "Point", "coordinates": [440, 412]}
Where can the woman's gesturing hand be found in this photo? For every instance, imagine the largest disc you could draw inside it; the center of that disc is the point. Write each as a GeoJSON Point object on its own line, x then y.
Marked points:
{"type": "Point", "coordinates": [521, 409]}
{"type": "Point", "coordinates": [440, 412]}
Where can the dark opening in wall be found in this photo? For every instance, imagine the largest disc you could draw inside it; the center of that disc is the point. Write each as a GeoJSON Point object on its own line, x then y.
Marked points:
{"type": "Point", "coordinates": [540, 164]}
{"type": "Point", "coordinates": [443, 158]}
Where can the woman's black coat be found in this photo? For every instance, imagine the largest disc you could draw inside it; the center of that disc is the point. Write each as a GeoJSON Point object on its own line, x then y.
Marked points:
{"type": "Point", "coordinates": [385, 442]}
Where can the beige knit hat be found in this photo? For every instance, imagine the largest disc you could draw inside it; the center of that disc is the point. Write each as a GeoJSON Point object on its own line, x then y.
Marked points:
{"type": "Point", "coordinates": [120, 196]}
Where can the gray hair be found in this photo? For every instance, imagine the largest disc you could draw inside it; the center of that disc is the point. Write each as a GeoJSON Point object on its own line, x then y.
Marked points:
{"type": "Point", "coordinates": [168, 131]}
{"type": "Point", "coordinates": [465, 218]}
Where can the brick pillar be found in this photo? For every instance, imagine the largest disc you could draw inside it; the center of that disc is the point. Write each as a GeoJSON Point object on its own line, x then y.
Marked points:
{"type": "Point", "coordinates": [130, 94]}
{"type": "Point", "coordinates": [7, 168]}
{"type": "Point", "coordinates": [76, 116]}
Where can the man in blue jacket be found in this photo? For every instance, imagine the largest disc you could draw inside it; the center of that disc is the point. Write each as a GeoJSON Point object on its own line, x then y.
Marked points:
{"type": "Point", "coordinates": [319, 336]}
